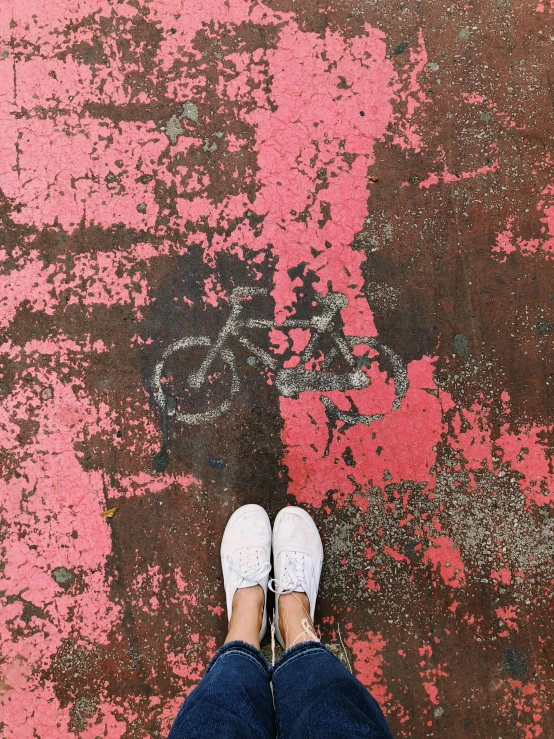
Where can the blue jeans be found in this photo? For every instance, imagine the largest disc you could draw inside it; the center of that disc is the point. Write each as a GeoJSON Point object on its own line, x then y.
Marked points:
{"type": "Point", "coordinates": [315, 697]}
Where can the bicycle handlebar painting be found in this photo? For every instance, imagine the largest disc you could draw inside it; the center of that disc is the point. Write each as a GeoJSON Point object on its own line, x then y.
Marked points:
{"type": "Point", "coordinates": [207, 390]}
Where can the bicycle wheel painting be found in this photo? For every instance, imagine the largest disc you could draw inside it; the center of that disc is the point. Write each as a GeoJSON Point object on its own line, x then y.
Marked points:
{"type": "Point", "coordinates": [276, 252]}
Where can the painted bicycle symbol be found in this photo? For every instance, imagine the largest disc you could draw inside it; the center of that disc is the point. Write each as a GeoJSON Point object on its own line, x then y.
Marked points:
{"type": "Point", "coordinates": [196, 380]}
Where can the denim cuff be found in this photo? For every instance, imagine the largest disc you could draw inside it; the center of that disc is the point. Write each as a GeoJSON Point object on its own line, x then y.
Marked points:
{"type": "Point", "coordinates": [242, 649]}
{"type": "Point", "coordinates": [297, 652]}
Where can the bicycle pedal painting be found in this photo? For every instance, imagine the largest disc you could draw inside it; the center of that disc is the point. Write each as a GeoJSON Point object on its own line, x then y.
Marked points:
{"type": "Point", "coordinates": [209, 386]}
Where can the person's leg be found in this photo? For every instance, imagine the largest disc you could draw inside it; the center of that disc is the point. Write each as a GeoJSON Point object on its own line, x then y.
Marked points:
{"type": "Point", "coordinates": [233, 699]}
{"type": "Point", "coordinates": [314, 694]}
{"type": "Point", "coordinates": [317, 697]}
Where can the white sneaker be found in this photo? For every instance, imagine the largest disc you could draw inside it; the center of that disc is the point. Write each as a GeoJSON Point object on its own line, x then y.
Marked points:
{"type": "Point", "coordinates": [246, 554]}
{"type": "Point", "coordinates": [297, 558]}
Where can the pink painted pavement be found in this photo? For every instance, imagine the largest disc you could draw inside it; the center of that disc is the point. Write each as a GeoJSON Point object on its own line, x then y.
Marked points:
{"type": "Point", "coordinates": [153, 158]}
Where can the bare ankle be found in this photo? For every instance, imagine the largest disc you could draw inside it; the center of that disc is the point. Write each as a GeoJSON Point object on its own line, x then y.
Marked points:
{"type": "Point", "coordinates": [295, 602]}
{"type": "Point", "coordinates": [248, 597]}
{"type": "Point", "coordinates": [247, 617]}
{"type": "Point", "coordinates": [295, 622]}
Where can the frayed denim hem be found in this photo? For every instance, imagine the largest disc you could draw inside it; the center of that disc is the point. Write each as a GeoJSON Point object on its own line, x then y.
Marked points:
{"type": "Point", "coordinates": [243, 649]}
{"type": "Point", "coordinates": [297, 651]}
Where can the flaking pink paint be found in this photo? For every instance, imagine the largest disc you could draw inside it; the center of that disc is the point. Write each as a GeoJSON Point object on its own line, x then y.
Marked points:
{"type": "Point", "coordinates": [369, 662]}
{"type": "Point", "coordinates": [444, 557]}
{"type": "Point", "coordinates": [64, 499]}
{"type": "Point", "coordinates": [63, 181]}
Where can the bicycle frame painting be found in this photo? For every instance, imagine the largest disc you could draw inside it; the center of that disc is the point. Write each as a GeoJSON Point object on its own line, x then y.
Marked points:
{"type": "Point", "coordinates": [289, 381]}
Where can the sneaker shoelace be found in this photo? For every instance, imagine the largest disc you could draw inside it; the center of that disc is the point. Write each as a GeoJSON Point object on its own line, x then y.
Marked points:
{"type": "Point", "coordinates": [293, 576]}
{"type": "Point", "coordinates": [248, 566]}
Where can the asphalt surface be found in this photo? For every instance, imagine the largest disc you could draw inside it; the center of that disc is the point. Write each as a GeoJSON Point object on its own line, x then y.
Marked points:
{"type": "Point", "coordinates": [372, 170]}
